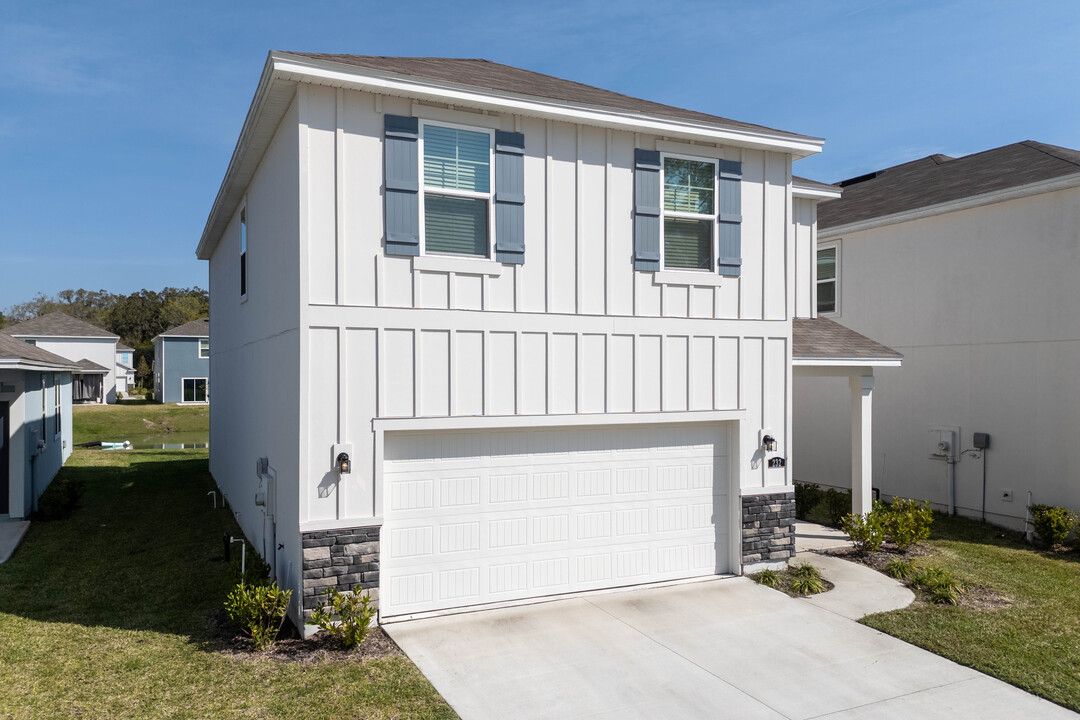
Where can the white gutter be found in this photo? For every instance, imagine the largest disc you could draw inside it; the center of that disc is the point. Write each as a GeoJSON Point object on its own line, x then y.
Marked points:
{"type": "Point", "coordinates": [814, 193]}
{"type": "Point", "coordinates": [846, 362]}
{"type": "Point", "coordinates": [1059, 183]}
{"type": "Point", "coordinates": [35, 365]}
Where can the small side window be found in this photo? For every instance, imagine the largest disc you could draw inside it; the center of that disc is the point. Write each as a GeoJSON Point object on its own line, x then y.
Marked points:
{"type": "Point", "coordinates": [204, 349]}
{"type": "Point", "coordinates": [243, 252]}
{"type": "Point", "coordinates": [828, 280]}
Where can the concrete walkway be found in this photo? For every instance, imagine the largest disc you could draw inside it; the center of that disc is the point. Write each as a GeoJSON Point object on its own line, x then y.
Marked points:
{"type": "Point", "coordinates": [11, 534]}
{"type": "Point", "coordinates": [720, 648]}
{"type": "Point", "coordinates": [811, 536]}
{"type": "Point", "coordinates": [858, 591]}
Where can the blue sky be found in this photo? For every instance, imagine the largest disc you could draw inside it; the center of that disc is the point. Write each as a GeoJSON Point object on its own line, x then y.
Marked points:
{"type": "Point", "coordinates": [117, 119]}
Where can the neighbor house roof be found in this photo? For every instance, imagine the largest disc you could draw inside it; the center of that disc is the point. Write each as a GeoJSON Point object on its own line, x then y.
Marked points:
{"type": "Point", "coordinates": [15, 353]}
{"type": "Point", "coordinates": [196, 328]}
{"type": "Point", "coordinates": [824, 339]}
{"type": "Point", "coordinates": [57, 324]}
{"type": "Point", "coordinates": [938, 179]}
{"type": "Point", "coordinates": [470, 84]}
{"type": "Point", "coordinates": [89, 366]}
{"type": "Point", "coordinates": [124, 348]}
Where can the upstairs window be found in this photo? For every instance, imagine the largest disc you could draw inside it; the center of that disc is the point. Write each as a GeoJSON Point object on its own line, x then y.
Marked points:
{"type": "Point", "coordinates": [457, 191]}
{"type": "Point", "coordinates": [689, 213]}
{"type": "Point", "coordinates": [204, 349]}
{"type": "Point", "coordinates": [243, 252]}
{"type": "Point", "coordinates": [828, 277]}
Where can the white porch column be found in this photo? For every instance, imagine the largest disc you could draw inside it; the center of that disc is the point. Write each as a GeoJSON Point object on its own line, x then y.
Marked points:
{"type": "Point", "coordinates": [862, 389]}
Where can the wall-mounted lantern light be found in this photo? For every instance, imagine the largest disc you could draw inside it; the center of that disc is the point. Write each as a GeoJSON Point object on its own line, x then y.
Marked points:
{"type": "Point", "coordinates": [769, 443]}
{"type": "Point", "coordinates": [343, 465]}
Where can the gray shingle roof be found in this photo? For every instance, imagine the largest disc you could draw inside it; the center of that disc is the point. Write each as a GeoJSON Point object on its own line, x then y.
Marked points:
{"type": "Point", "coordinates": [14, 349]}
{"type": "Point", "coordinates": [195, 328]}
{"type": "Point", "coordinates": [938, 179]}
{"type": "Point", "coordinates": [824, 339]}
{"type": "Point", "coordinates": [57, 324]}
{"type": "Point", "coordinates": [89, 366]}
{"type": "Point", "coordinates": [506, 78]}
{"type": "Point", "coordinates": [124, 348]}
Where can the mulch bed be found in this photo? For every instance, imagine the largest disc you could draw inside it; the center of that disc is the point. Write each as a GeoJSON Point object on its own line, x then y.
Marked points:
{"type": "Point", "coordinates": [291, 648]}
{"type": "Point", "coordinates": [975, 597]}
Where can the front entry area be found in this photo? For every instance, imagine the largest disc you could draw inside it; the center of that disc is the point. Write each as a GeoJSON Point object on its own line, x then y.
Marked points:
{"type": "Point", "coordinates": [477, 517]}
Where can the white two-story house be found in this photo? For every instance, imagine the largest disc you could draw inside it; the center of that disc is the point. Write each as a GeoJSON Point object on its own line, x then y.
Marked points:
{"type": "Point", "coordinates": [484, 335]}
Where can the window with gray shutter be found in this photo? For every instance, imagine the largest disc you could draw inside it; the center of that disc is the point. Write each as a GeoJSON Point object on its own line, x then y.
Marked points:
{"type": "Point", "coordinates": [510, 197]}
{"type": "Point", "coordinates": [646, 210]}
{"type": "Point", "coordinates": [729, 218]}
{"type": "Point", "coordinates": [402, 216]}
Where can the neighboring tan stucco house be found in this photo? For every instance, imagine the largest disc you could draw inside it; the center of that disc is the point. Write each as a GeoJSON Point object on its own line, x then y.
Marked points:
{"type": "Point", "coordinates": [90, 347]}
{"type": "Point", "coordinates": [35, 423]}
{"type": "Point", "coordinates": [968, 267]}
{"type": "Point", "coordinates": [182, 363]}
{"type": "Point", "coordinates": [549, 326]}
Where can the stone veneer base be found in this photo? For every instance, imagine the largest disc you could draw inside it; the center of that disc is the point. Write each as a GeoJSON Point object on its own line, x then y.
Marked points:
{"type": "Point", "coordinates": [768, 528]}
{"type": "Point", "coordinates": [346, 558]}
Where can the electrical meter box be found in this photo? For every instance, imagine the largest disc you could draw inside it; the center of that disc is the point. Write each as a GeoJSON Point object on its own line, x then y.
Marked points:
{"type": "Point", "coordinates": [941, 442]}
{"type": "Point", "coordinates": [981, 441]}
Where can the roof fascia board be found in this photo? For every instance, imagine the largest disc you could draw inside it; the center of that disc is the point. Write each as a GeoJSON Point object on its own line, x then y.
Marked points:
{"type": "Point", "coordinates": [1043, 186]}
{"type": "Point", "coordinates": [813, 193]}
{"type": "Point", "coordinates": [39, 336]}
{"type": "Point", "coordinates": [24, 364]}
{"type": "Point", "coordinates": [387, 83]}
{"type": "Point", "coordinates": [846, 362]}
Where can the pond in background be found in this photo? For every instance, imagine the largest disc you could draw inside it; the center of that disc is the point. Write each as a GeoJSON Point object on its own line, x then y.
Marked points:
{"type": "Point", "coordinates": [171, 441]}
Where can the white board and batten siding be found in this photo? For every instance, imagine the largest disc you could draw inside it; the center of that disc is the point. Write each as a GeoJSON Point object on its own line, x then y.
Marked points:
{"type": "Point", "coordinates": [573, 331]}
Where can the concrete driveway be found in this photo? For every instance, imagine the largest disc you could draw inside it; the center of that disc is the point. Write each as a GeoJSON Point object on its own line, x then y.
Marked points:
{"type": "Point", "coordinates": [724, 648]}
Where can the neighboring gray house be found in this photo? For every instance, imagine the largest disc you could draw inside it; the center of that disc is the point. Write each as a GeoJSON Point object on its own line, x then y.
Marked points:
{"type": "Point", "coordinates": [35, 422]}
{"type": "Point", "coordinates": [78, 341]}
{"type": "Point", "coordinates": [966, 265]}
{"type": "Point", "coordinates": [182, 363]}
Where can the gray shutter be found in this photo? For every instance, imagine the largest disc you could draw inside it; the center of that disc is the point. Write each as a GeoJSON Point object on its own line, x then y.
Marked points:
{"type": "Point", "coordinates": [510, 197]}
{"type": "Point", "coordinates": [647, 210]}
{"type": "Point", "coordinates": [402, 186]}
{"type": "Point", "coordinates": [730, 218]}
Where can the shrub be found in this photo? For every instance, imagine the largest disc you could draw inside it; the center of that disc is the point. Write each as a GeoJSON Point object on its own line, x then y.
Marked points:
{"type": "Point", "coordinates": [258, 610]}
{"type": "Point", "coordinates": [255, 570]}
{"type": "Point", "coordinates": [768, 578]}
{"type": "Point", "coordinates": [867, 532]}
{"type": "Point", "coordinates": [836, 505]}
{"type": "Point", "coordinates": [119, 395]}
{"type": "Point", "coordinates": [60, 498]}
{"type": "Point", "coordinates": [907, 522]}
{"type": "Point", "coordinates": [807, 497]}
{"type": "Point", "coordinates": [806, 580]}
{"type": "Point", "coordinates": [941, 585]}
{"type": "Point", "coordinates": [900, 569]}
{"type": "Point", "coordinates": [149, 394]}
{"type": "Point", "coordinates": [353, 612]}
{"type": "Point", "coordinates": [1053, 524]}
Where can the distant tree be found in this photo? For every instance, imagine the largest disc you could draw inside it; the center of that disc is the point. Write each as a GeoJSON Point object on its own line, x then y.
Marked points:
{"type": "Point", "coordinates": [142, 371]}
{"type": "Point", "coordinates": [3, 320]}
{"type": "Point", "coordinates": [185, 307]}
{"type": "Point", "coordinates": [88, 305]}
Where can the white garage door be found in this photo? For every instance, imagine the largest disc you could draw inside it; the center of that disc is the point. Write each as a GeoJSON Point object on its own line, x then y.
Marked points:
{"type": "Point", "coordinates": [487, 516]}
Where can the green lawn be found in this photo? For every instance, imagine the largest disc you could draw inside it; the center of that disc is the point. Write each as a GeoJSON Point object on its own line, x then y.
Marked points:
{"type": "Point", "coordinates": [1034, 644]}
{"type": "Point", "coordinates": [106, 614]}
{"type": "Point", "coordinates": [137, 420]}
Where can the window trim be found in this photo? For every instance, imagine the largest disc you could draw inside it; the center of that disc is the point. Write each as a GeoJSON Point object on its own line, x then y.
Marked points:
{"type": "Point", "coordinates": [199, 349]}
{"type": "Point", "coordinates": [243, 243]}
{"type": "Point", "coordinates": [57, 405]}
{"type": "Point", "coordinates": [453, 192]}
{"type": "Point", "coordinates": [44, 410]}
{"type": "Point", "coordinates": [836, 280]}
{"type": "Point", "coordinates": [665, 213]}
{"type": "Point", "coordinates": [195, 402]}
